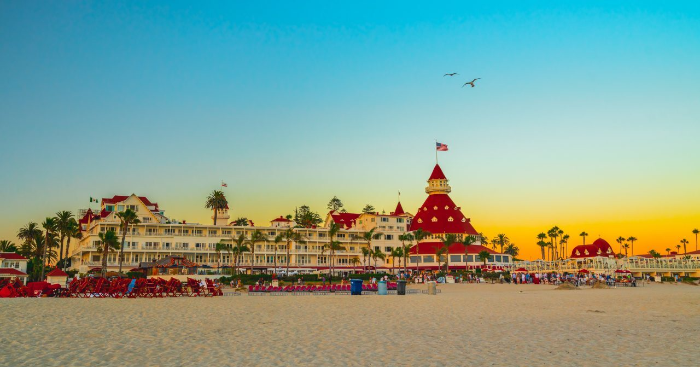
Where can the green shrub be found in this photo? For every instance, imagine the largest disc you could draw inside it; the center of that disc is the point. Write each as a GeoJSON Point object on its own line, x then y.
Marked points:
{"type": "Point", "coordinates": [135, 274]}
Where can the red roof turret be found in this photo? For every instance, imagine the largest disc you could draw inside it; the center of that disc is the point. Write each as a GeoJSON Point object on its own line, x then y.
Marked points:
{"type": "Point", "coordinates": [437, 174]}
{"type": "Point", "coordinates": [398, 210]}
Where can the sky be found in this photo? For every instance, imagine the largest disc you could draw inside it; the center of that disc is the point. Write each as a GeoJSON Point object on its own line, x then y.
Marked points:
{"type": "Point", "coordinates": [586, 116]}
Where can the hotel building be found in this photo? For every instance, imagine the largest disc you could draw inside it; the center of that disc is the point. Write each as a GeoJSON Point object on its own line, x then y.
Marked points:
{"type": "Point", "coordinates": [157, 236]}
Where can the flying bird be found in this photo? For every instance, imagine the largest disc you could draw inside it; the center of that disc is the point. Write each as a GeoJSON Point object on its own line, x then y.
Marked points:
{"type": "Point", "coordinates": [471, 83]}
{"type": "Point", "coordinates": [450, 74]}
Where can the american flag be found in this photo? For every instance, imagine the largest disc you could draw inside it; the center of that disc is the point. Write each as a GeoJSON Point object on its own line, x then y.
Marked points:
{"type": "Point", "coordinates": [440, 147]}
{"type": "Point", "coordinates": [223, 184]}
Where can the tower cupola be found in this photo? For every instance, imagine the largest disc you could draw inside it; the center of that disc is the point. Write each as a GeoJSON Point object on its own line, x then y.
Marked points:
{"type": "Point", "coordinates": [437, 183]}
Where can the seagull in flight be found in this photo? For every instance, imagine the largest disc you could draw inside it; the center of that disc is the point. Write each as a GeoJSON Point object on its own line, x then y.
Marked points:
{"type": "Point", "coordinates": [450, 74]}
{"type": "Point", "coordinates": [471, 83]}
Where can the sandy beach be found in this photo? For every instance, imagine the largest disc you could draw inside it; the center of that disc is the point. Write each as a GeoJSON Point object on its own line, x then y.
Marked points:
{"type": "Point", "coordinates": [469, 324]}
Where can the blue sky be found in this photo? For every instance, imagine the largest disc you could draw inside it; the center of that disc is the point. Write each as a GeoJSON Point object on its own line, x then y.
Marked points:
{"type": "Point", "coordinates": [591, 106]}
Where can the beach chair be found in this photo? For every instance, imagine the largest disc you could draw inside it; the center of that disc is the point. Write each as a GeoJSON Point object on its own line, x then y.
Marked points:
{"type": "Point", "coordinates": [212, 290]}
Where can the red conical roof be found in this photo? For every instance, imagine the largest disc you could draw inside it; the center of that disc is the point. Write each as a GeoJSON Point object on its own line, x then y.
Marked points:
{"type": "Point", "coordinates": [439, 214]}
{"type": "Point", "coordinates": [437, 174]}
{"type": "Point", "coordinates": [398, 210]}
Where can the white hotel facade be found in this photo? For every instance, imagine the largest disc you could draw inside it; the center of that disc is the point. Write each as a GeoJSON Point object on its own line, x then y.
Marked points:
{"type": "Point", "coordinates": [157, 237]}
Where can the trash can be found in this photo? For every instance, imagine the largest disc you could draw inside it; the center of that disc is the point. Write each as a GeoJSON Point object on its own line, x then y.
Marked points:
{"type": "Point", "coordinates": [401, 287]}
{"type": "Point", "coordinates": [381, 288]}
{"type": "Point", "coordinates": [356, 287]}
{"type": "Point", "coordinates": [432, 288]}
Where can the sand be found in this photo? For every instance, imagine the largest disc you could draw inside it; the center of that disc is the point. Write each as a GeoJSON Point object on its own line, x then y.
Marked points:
{"type": "Point", "coordinates": [466, 324]}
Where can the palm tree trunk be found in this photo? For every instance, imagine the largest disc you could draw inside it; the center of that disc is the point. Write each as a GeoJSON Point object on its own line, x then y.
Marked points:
{"type": "Point", "coordinates": [66, 257]}
{"type": "Point", "coordinates": [216, 212]}
{"type": "Point", "coordinates": [121, 248]}
{"type": "Point", "coordinates": [275, 259]}
{"type": "Point", "coordinates": [252, 258]}
{"type": "Point", "coordinates": [330, 276]}
{"type": "Point", "coordinates": [287, 260]}
{"type": "Point", "coordinates": [43, 256]}
{"type": "Point", "coordinates": [105, 252]}
{"type": "Point", "coordinates": [60, 251]}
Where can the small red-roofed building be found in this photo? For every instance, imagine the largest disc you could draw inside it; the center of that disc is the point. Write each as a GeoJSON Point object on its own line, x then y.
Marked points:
{"type": "Point", "coordinates": [13, 265]}
{"type": "Point", "coordinates": [57, 276]}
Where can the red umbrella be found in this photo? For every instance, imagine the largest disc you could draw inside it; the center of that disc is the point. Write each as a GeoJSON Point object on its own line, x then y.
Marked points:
{"type": "Point", "coordinates": [622, 271]}
{"type": "Point", "coordinates": [521, 270]}
{"type": "Point", "coordinates": [584, 271]}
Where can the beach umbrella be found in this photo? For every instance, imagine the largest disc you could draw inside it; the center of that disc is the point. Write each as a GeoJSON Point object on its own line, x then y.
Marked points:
{"type": "Point", "coordinates": [522, 270]}
{"type": "Point", "coordinates": [584, 271]}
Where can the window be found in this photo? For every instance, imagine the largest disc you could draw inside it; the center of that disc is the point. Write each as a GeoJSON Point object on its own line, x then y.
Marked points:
{"type": "Point", "coordinates": [387, 249]}
{"type": "Point", "coordinates": [135, 208]}
{"type": "Point", "coordinates": [226, 232]}
{"type": "Point", "coordinates": [415, 259]}
{"type": "Point", "coordinates": [376, 248]}
{"type": "Point", "coordinates": [166, 245]}
{"type": "Point", "coordinates": [271, 233]}
{"type": "Point", "coordinates": [389, 237]}
{"type": "Point", "coordinates": [109, 208]}
{"type": "Point", "coordinates": [322, 235]}
{"type": "Point", "coordinates": [120, 208]}
{"type": "Point", "coordinates": [498, 258]}
{"type": "Point", "coordinates": [212, 233]}
{"type": "Point", "coordinates": [399, 220]}
{"type": "Point", "coordinates": [340, 235]}
{"type": "Point", "coordinates": [385, 220]}
{"type": "Point", "coordinates": [428, 259]}
{"type": "Point", "coordinates": [372, 220]}
{"type": "Point", "coordinates": [455, 258]}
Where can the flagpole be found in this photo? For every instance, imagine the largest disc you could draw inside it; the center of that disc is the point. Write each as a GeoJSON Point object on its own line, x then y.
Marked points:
{"type": "Point", "coordinates": [436, 161]}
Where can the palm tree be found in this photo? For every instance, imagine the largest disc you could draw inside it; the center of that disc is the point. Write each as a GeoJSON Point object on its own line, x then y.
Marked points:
{"type": "Point", "coordinates": [541, 237]}
{"type": "Point", "coordinates": [678, 248]}
{"type": "Point", "coordinates": [396, 252]}
{"type": "Point", "coordinates": [49, 226]}
{"type": "Point", "coordinates": [631, 239]}
{"type": "Point", "coordinates": [502, 240]}
{"type": "Point", "coordinates": [277, 240]}
{"type": "Point", "coordinates": [405, 249]}
{"type": "Point", "coordinates": [684, 242]}
{"type": "Point", "coordinates": [560, 232]}
{"type": "Point", "coordinates": [448, 241]}
{"type": "Point", "coordinates": [366, 253]}
{"type": "Point", "coordinates": [564, 245]}
{"type": "Point", "coordinates": [668, 251]}
{"type": "Point", "coordinates": [542, 245]}
{"type": "Point", "coordinates": [28, 234]}
{"type": "Point", "coordinates": [109, 241]}
{"type": "Point", "coordinates": [419, 235]}
{"type": "Point", "coordinates": [256, 236]}
{"type": "Point", "coordinates": [239, 247]}
{"type": "Point", "coordinates": [220, 247]}
{"type": "Point", "coordinates": [127, 218]}
{"type": "Point", "coordinates": [620, 240]}
{"type": "Point", "coordinates": [368, 237]}
{"type": "Point", "coordinates": [73, 231]}
{"type": "Point", "coordinates": [63, 219]}
{"type": "Point", "coordinates": [377, 254]}
{"type": "Point", "coordinates": [7, 246]}
{"type": "Point", "coordinates": [494, 243]}
{"type": "Point", "coordinates": [626, 246]}
{"type": "Point", "coordinates": [512, 250]}
{"type": "Point", "coordinates": [654, 254]}
{"type": "Point", "coordinates": [695, 232]}
{"type": "Point", "coordinates": [484, 255]}
{"type": "Point", "coordinates": [333, 245]}
{"type": "Point", "coordinates": [354, 261]}
{"type": "Point", "coordinates": [553, 233]}
{"type": "Point", "coordinates": [216, 201]}
{"type": "Point", "coordinates": [584, 234]}
{"type": "Point", "coordinates": [468, 241]}
{"type": "Point", "coordinates": [289, 236]}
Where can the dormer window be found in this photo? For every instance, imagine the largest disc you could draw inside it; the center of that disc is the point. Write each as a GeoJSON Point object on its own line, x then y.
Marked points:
{"type": "Point", "coordinates": [464, 220]}
{"type": "Point", "coordinates": [420, 220]}
{"type": "Point", "coordinates": [434, 220]}
{"type": "Point", "coordinates": [446, 207]}
{"type": "Point", "coordinates": [450, 219]}
{"type": "Point", "coordinates": [435, 207]}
